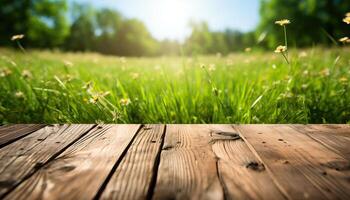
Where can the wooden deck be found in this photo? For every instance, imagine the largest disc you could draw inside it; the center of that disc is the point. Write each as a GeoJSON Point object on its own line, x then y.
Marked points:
{"type": "Point", "coordinates": [174, 162]}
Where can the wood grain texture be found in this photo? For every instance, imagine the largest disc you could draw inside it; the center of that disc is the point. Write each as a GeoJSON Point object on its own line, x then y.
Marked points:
{"type": "Point", "coordinates": [334, 137]}
{"type": "Point", "coordinates": [187, 167]}
{"type": "Point", "coordinates": [175, 162]}
{"type": "Point", "coordinates": [80, 170]}
{"type": "Point", "coordinates": [134, 175]}
{"type": "Point", "coordinates": [242, 173]}
{"type": "Point", "coordinates": [302, 167]}
{"type": "Point", "coordinates": [10, 133]}
{"type": "Point", "coordinates": [20, 159]}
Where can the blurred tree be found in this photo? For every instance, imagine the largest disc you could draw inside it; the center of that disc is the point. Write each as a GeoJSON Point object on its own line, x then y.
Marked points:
{"type": "Point", "coordinates": [313, 21]}
{"type": "Point", "coordinates": [39, 20]}
{"type": "Point", "coordinates": [108, 25]}
{"type": "Point", "coordinates": [133, 39]}
{"type": "Point", "coordinates": [234, 40]}
{"type": "Point", "coordinates": [204, 41]}
{"type": "Point", "coordinates": [219, 44]}
{"type": "Point", "coordinates": [200, 40]}
{"type": "Point", "coordinates": [82, 31]}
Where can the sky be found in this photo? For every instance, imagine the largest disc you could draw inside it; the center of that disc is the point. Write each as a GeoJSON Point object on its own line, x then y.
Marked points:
{"type": "Point", "coordinates": [169, 19]}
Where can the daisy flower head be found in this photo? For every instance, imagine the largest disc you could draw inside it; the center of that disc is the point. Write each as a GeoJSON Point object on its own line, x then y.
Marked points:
{"type": "Point", "coordinates": [347, 20]}
{"type": "Point", "coordinates": [125, 101]}
{"type": "Point", "coordinates": [280, 49]}
{"type": "Point", "coordinates": [344, 39]}
{"type": "Point", "coordinates": [282, 22]}
{"type": "Point", "coordinates": [17, 37]}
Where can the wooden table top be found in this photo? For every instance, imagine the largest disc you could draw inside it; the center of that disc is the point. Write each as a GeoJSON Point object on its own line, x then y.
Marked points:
{"type": "Point", "coordinates": [89, 161]}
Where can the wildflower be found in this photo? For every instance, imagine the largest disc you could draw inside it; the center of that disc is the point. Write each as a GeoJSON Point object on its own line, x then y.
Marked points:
{"type": "Point", "coordinates": [347, 20]}
{"type": "Point", "coordinates": [325, 72]}
{"type": "Point", "coordinates": [248, 49]}
{"type": "Point", "coordinates": [67, 63]}
{"type": "Point", "coordinates": [281, 49]}
{"type": "Point", "coordinates": [282, 22]}
{"type": "Point", "coordinates": [19, 95]}
{"type": "Point", "coordinates": [94, 99]}
{"type": "Point", "coordinates": [17, 37]}
{"type": "Point", "coordinates": [305, 72]}
{"type": "Point", "coordinates": [5, 72]}
{"type": "Point", "coordinates": [88, 86]}
{"type": "Point", "coordinates": [124, 102]}
{"type": "Point", "coordinates": [304, 86]}
{"type": "Point", "coordinates": [344, 39]}
{"type": "Point", "coordinates": [27, 74]}
{"type": "Point", "coordinates": [202, 66]}
{"type": "Point", "coordinates": [343, 80]}
{"type": "Point", "coordinates": [347, 14]}
{"type": "Point", "coordinates": [212, 67]}
{"type": "Point", "coordinates": [135, 75]}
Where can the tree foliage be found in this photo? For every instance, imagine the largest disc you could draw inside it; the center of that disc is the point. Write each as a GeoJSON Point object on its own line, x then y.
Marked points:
{"type": "Point", "coordinates": [313, 21]}
{"type": "Point", "coordinates": [42, 21]}
{"type": "Point", "coordinates": [81, 27]}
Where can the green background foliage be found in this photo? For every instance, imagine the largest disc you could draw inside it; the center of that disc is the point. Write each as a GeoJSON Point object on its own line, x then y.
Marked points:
{"type": "Point", "coordinates": [54, 24]}
{"type": "Point", "coordinates": [313, 21]}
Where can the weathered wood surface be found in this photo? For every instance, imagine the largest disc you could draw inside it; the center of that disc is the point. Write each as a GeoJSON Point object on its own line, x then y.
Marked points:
{"type": "Point", "coordinates": [188, 165]}
{"type": "Point", "coordinates": [9, 133]}
{"type": "Point", "coordinates": [83, 166]}
{"type": "Point", "coordinates": [133, 177]}
{"type": "Point", "coordinates": [302, 167]}
{"type": "Point", "coordinates": [24, 157]}
{"type": "Point", "coordinates": [175, 162]}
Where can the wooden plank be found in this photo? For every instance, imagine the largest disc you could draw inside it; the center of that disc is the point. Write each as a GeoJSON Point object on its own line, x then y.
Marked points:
{"type": "Point", "coordinates": [304, 168]}
{"type": "Point", "coordinates": [80, 171]}
{"type": "Point", "coordinates": [243, 175]}
{"type": "Point", "coordinates": [333, 129]}
{"type": "Point", "coordinates": [11, 133]}
{"type": "Point", "coordinates": [21, 159]}
{"type": "Point", "coordinates": [187, 167]}
{"type": "Point", "coordinates": [136, 173]}
{"type": "Point", "coordinates": [199, 154]}
{"type": "Point", "coordinates": [334, 137]}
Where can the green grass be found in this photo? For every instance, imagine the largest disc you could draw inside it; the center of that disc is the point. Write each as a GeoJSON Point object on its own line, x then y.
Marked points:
{"type": "Point", "coordinates": [244, 88]}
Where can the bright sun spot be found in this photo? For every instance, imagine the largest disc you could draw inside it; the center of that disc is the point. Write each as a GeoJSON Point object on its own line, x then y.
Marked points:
{"type": "Point", "coordinates": [171, 17]}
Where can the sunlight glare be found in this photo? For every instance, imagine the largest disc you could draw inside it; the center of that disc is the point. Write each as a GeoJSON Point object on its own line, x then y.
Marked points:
{"type": "Point", "coordinates": [171, 17]}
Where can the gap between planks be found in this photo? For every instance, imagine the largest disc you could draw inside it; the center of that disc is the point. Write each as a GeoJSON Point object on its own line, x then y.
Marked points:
{"type": "Point", "coordinates": [215, 148]}
{"type": "Point", "coordinates": [22, 159]}
{"type": "Point", "coordinates": [12, 133]}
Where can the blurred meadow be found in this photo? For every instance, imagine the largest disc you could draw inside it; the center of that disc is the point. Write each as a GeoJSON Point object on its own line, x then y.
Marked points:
{"type": "Point", "coordinates": [77, 62]}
